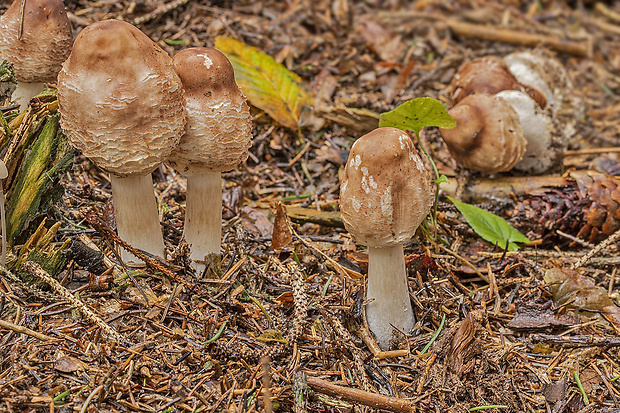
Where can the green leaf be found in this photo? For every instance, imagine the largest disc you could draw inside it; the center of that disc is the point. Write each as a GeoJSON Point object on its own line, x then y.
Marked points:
{"type": "Point", "coordinates": [267, 84]}
{"type": "Point", "coordinates": [442, 179]}
{"type": "Point", "coordinates": [416, 114]}
{"type": "Point", "coordinates": [489, 226]}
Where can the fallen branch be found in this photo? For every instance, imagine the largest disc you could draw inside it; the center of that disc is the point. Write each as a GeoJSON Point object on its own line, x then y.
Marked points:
{"type": "Point", "coordinates": [518, 38]}
{"type": "Point", "coordinates": [377, 401]}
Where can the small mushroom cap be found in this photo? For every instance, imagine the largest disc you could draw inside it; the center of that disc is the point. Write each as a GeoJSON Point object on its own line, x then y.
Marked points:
{"type": "Point", "coordinates": [121, 101]}
{"type": "Point", "coordinates": [488, 136]}
{"type": "Point", "coordinates": [484, 75]}
{"type": "Point", "coordinates": [45, 43]}
{"type": "Point", "coordinates": [545, 144]}
{"type": "Point", "coordinates": [219, 127]}
{"type": "Point", "coordinates": [386, 191]}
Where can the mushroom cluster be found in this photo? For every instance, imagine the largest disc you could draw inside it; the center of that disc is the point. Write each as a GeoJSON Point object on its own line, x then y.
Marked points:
{"type": "Point", "coordinates": [128, 106]}
{"type": "Point", "coordinates": [384, 196]}
{"type": "Point", "coordinates": [508, 113]}
{"type": "Point", "coordinates": [123, 106]}
{"type": "Point", "coordinates": [37, 45]}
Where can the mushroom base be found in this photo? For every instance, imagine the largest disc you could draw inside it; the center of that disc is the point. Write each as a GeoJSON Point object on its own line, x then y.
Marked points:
{"type": "Point", "coordinates": [137, 218]}
{"type": "Point", "coordinates": [25, 91]}
{"type": "Point", "coordinates": [387, 287]}
{"type": "Point", "coordinates": [203, 216]}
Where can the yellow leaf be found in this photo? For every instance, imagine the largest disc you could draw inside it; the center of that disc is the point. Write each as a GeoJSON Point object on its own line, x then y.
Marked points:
{"type": "Point", "coordinates": [267, 84]}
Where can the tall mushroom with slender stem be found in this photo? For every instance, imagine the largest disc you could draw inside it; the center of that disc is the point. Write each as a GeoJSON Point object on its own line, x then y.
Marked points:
{"type": "Point", "coordinates": [122, 105]}
{"type": "Point", "coordinates": [385, 194]}
{"type": "Point", "coordinates": [219, 134]}
{"type": "Point", "coordinates": [36, 45]}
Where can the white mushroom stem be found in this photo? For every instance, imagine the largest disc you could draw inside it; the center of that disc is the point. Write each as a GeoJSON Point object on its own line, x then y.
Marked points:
{"type": "Point", "coordinates": [203, 216]}
{"type": "Point", "coordinates": [387, 287]}
{"type": "Point", "coordinates": [25, 91]}
{"type": "Point", "coordinates": [137, 220]}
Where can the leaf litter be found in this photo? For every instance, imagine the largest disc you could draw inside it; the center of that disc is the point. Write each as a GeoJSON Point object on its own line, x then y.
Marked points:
{"type": "Point", "coordinates": [195, 345]}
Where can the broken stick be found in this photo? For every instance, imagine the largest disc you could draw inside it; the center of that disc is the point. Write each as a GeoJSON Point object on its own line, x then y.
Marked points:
{"type": "Point", "coordinates": [377, 401]}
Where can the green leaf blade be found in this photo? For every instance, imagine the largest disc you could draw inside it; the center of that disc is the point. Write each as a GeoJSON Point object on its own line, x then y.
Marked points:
{"type": "Point", "coordinates": [267, 84]}
{"type": "Point", "coordinates": [417, 114]}
{"type": "Point", "coordinates": [489, 226]}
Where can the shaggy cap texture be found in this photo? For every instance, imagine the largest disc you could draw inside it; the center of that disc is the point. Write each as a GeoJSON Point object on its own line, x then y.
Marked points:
{"type": "Point", "coordinates": [219, 127]}
{"type": "Point", "coordinates": [121, 101]}
{"type": "Point", "coordinates": [386, 191]}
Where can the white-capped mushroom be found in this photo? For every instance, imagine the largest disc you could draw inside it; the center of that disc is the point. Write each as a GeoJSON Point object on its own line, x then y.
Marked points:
{"type": "Point", "coordinates": [219, 134]}
{"type": "Point", "coordinates": [384, 196]}
{"type": "Point", "coordinates": [122, 105]}
{"type": "Point", "coordinates": [538, 69]}
{"type": "Point", "coordinates": [545, 143]}
{"type": "Point", "coordinates": [45, 43]}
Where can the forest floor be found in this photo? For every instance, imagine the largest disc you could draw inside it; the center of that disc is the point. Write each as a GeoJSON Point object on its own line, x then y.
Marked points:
{"type": "Point", "coordinates": [285, 331]}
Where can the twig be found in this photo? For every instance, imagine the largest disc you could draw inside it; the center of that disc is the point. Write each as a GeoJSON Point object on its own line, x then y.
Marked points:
{"type": "Point", "coordinates": [35, 270]}
{"type": "Point", "coordinates": [577, 341]}
{"type": "Point", "coordinates": [266, 379]}
{"type": "Point", "coordinates": [160, 11]}
{"type": "Point", "coordinates": [20, 30]}
{"type": "Point", "coordinates": [377, 401]}
{"type": "Point", "coordinates": [591, 151]}
{"type": "Point", "coordinates": [90, 398]}
{"type": "Point", "coordinates": [583, 260]}
{"type": "Point", "coordinates": [24, 330]}
{"type": "Point", "coordinates": [92, 216]}
{"type": "Point", "coordinates": [607, 12]}
{"type": "Point", "coordinates": [575, 239]}
{"type": "Point", "coordinates": [517, 37]}
{"type": "Point", "coordinates": [339, 268]}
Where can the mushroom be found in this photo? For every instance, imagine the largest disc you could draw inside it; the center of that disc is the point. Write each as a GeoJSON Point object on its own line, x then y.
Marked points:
{"type": "Point", "coordinates": [384, 196]}
{"type": "Point", "coordinates": [539, 70]}
{"type": "Point", "coordinates": [122, 105]}
{"type": "Point", "coordinates": [545, 143]}
{"type": "Point", "coordinates": [218, 137]}
{"type": "Point", "coordinates": [37, 48]}
{"type": "Point", "coordinates": [484, 75]}
{"type": "Point", "coordinates": [488, 136]}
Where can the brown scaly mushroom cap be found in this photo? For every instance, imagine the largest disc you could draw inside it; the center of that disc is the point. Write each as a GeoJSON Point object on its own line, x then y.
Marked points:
{"type": "Point", "coordinates": [386, 191]}
{"type": "Point", "coordinates": [121, 101]}
{"type": "Point", "coordinates": [484, 75]}
{"type": "Point", "coordinates": [45, 43]}
{"type": "Point", "coordinates": [219, 128]}
{"type": "Point", "coordinates": [488, 136]}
